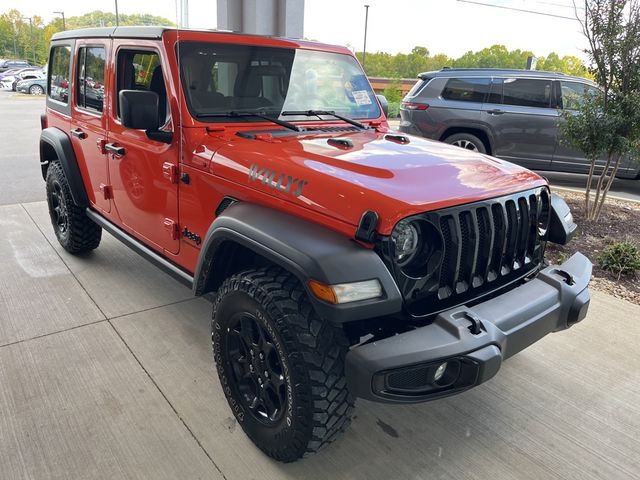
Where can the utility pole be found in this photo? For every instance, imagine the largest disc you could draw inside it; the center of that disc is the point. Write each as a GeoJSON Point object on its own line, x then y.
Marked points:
{"type": "Point", "coordinates": [64, 24]}
{"type": "Point", "coordinates": [117, 18]}
{"type": "Point", "coordinates": [33, 44]}
{"type": "Point", "coordinates": [366, 21]}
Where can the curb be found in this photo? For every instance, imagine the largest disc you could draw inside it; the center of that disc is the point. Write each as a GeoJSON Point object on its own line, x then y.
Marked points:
{"type": "Point", "coordinates": [577, 190]}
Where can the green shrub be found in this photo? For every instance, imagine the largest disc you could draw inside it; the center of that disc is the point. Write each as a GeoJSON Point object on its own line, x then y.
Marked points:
{"type": "Point", "coordinates": [620, 258]}
{"type": "Point", "coordinates": [394, 110]}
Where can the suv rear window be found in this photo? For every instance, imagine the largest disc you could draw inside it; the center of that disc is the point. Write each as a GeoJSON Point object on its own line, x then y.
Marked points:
{"type": "Point", "coordinates": [59, 73]}
{"type": "Point", "coordinates": [526, 92]}
{"type": "Point", "coordinates": [466, 89]}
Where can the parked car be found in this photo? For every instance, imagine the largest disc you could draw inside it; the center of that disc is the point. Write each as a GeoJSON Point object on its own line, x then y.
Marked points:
{"type": "Point", "coordinates": [510, 114]}
{"type": "Point", "coordinates": [345, 260]}
{"type": "Point", "coordinates": [33, 86]}
{"type": "Point", "coordinates": [28, 75]}
{"type": "Point", "coordinates": [7, 64]}
{"type": "Point", "coordinates": [8, 78]}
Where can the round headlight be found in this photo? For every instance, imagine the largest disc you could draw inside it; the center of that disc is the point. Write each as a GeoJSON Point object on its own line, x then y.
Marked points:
{"type": "Point", "coordinates": [406, 241]}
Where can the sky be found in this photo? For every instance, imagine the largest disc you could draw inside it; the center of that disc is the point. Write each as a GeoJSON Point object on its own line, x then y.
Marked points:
{"type": "Point", "coordinates": [443, 26]}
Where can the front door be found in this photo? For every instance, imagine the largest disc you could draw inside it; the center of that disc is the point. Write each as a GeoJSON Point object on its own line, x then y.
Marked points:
{"type": "Point", "coordinates": [143, 171]}
{"type": "Point", "coordinates": [88, 119]}
{"type": "Point", "coordinates": [523, 120]}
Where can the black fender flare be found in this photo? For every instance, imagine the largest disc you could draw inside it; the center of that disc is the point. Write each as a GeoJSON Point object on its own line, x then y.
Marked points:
{"type": "Point", "coordinates": [307, 250]}
{"type": "Point", "coordinates": [53, 138]}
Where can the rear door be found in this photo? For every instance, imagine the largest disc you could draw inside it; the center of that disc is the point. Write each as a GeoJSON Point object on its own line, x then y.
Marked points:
{"type": "Point", "coordinates": [88, 119]}
{"type": "Point", "coordinates": [566, 157]}
{"type": "Point", "coordinates": [144, 175]}
{"type": "Point", "coordinates": [523, 120]}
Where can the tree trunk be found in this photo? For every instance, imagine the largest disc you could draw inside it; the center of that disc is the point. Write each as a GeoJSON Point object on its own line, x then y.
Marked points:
{"type": "Point", "coordinates": [592, 213]}
{"type": "Point", "coordinates": [608, 186]}
{"type": "Point", "coordinates": [587, 196]}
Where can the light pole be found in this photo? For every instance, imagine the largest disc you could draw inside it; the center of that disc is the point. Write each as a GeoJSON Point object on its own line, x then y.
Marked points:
{"type": "Point", "coordinates": [117, 18]}
{"type": "Point", "coordinates": [64, 25]}
{"type": "Point", "coordinates": [366, 21]}
{"type": "Point", "coordinates": [15, 34]}
{"type": "Point", "coordinates": [33, 45]}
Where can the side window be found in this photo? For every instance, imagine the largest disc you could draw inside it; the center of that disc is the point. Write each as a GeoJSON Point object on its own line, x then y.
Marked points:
{"type": "Point", "coordinates": [141, 70]}
{"type": "Point", "coordinates": [527, 92]}
{"type": "Point", "coordinates": [90, 78]}
{"type": "Point", "coordinates": [573, 92]}
{"type": "Point", "coordinates": [418, 87]}
{"type": "Point", "coordinates": [58, 83]}
{"type": "Point", "coordinates": [466, 89]}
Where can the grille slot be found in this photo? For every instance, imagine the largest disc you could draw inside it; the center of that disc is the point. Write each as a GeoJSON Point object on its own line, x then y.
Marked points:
{"type": "Point", "coordinates": [483, 246]}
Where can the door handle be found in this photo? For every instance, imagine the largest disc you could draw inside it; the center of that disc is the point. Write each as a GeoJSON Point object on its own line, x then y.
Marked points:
{"type": "Point", "coordinates": [117, 151]}
{"type": "Point", "coordinates": [495, 111]}
{"type": "Point", "coordinates": [78, 133]}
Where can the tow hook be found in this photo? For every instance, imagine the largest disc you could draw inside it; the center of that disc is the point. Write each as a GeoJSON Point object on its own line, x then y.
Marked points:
{"type": "Point", "coordinates": [476, 324]}
{"type": "Point", "coordinates": [566, 276]}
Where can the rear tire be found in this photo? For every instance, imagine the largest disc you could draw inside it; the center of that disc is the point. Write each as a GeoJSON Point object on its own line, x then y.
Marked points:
{"type": "Point", "coordinates": [466, 141]}
{"type": "Point", "coordinates": [36, 90]}
{"type": "Point", "coordinates": [76, 232]}
{"type": "Point", "coordinates": [265, 316]}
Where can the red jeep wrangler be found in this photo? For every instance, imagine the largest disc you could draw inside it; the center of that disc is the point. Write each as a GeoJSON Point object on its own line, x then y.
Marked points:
{"type": "Point", "coordinates": [346, 260]}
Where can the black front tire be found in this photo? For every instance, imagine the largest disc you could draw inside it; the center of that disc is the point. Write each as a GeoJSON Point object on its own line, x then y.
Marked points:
{"type": "Point", "coordinates": [76, 232]}
{"type": "Point", "coordinates": [307, 350]}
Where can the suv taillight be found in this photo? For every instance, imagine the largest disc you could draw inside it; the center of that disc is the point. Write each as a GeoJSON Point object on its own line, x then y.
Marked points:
{"type": "Point", "coordinates": [414, 106]}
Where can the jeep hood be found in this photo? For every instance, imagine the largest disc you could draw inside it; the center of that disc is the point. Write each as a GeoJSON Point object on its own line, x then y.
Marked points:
{"type": "Point", "coordinates": [342, 176]}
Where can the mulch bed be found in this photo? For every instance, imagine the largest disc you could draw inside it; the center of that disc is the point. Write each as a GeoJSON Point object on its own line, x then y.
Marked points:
{"type": "Point", "coordinates": [619, 221]}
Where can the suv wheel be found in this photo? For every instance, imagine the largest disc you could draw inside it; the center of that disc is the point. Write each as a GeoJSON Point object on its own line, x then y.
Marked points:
{"type": "Point", "coordinates": [76, 232]}
{"type": "Point", "coordinates": [466, 141]}
{"type": "Point", "coordinates": [281, 366]}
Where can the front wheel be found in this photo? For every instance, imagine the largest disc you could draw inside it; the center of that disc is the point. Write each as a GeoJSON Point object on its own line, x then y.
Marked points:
{"type": "Point", "coordinates": [281, 366]}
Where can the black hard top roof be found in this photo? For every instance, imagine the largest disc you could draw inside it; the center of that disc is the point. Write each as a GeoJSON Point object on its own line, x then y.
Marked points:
{"type": "Point", "coordinates": [113, 32]}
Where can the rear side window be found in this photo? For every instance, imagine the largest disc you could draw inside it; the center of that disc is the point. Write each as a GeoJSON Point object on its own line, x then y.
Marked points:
{"type": "Point", "coordinates": [574, 92]}
{"type": "Point", "coordinates": [417, 87]}
{"type": "Point", "coordinates": [59, 73]}
{"type": "Point", "coordinates": [90, 81]}
{"type": "Point", "coordinates": [466, 89]}
{"type": "Point", "coordinates": [527, 92]}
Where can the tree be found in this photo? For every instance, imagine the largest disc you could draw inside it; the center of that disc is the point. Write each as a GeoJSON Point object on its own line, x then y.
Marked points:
{"type": "Point", "coordinates": [608, 125]}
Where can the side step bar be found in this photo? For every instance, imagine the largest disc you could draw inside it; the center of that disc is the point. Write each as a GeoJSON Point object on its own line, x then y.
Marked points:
{"type": "Point", "coordinates": [142, 250]}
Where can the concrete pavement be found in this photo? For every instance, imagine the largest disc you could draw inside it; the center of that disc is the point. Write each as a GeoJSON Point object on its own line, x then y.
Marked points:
{"type": "Point", "coordinates": [106, 372]}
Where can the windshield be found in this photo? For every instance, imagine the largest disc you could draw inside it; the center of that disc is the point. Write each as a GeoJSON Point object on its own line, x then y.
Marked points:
{"type": "Point", "coordinates": [221, 78]}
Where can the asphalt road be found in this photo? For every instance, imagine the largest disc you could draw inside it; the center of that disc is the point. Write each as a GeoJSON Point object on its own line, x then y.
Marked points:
{"type": "Point", "coordinates": [22, 180]}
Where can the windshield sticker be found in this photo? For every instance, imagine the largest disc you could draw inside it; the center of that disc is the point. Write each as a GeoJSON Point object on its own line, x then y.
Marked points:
{"type": "Point", "coordinates": [361, 97]}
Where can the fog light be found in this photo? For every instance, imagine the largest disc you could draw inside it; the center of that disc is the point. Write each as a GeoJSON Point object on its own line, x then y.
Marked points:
{"type": "Point", "coordinates": [440, 372]}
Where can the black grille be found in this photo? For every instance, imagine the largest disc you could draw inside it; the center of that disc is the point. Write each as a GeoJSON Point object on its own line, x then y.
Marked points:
{"type": "Point", "coordinates": [485, 245]}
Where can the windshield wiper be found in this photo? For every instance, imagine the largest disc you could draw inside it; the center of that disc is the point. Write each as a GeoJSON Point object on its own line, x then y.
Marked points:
{"type": "Point", "coordinates": [262, 115]}
{"type": "Point", "coordinates": [317, 113]}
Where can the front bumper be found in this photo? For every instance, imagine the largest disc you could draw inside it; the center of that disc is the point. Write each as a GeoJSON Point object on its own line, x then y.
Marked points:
{"type": "Point", "coordinates": [473, 341]}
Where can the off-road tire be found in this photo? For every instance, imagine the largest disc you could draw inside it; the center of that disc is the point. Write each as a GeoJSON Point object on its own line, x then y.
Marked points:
{"type": "Point", "coordinates": [312, 352]}
{"type": "Point", "coordinates": [80, 234]}
{"type": "Point", "coordinates": [462, 139]}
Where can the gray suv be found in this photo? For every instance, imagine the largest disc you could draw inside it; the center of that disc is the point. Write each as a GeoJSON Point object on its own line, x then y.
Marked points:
{"type": "Point", "coordinates": [510, 114]}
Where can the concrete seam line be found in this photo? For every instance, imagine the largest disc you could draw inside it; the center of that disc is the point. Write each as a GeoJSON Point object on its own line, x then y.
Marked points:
{"type": "Point", "coordinates": [175, 411]}
{"type": "Point", "coordinates": [577, 190]}
{"type": "Point", "coordinates": [75, 327]}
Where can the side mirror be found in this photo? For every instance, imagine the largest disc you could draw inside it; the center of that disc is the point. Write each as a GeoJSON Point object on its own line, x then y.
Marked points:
{"type": "Point", "coordinates": [139, 109]}
{"type": "Point", "coordinates": [384, 104]}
